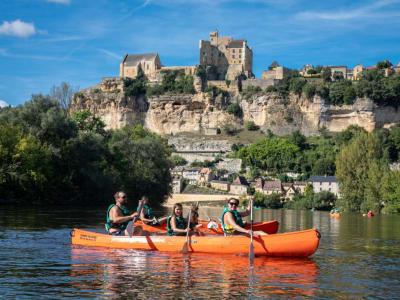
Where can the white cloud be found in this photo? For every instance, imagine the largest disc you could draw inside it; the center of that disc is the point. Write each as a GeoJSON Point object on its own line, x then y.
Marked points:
{"type": "Point", "coordinates": [3, 104]}
{"type": "Point", "coordinates": [111, 54]}
{"type": "Point", "coordinates": [17, 28]}
{"type": "Point", "coordinates": [60, 1]}
{"type": "Point", "coordinates": [366, 11]}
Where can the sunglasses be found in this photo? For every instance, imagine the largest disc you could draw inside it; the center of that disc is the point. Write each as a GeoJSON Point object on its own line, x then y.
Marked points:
{"type": "Point", "coordinates": [123, 197]}
{"type": "Point", "coordinates": [233, 203]}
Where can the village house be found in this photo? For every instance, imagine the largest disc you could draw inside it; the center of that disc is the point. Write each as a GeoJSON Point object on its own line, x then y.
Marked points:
{"type": "Point", "coordinates": [300, 186]}
{"type": "Point", "coordinates": [357, 70]}
{"type": "Point", "coordinates": [239, 186]}
{"type": "Point", "coordinates": [288, 190]}
{"type": "Point", "coordinates": [259, 184]}
{"type": "Point", "coordinates": [325, 183]}
{"type": "Point", "coordinates": [177, 184]}
{"type": "Point", "coordinates": [340, 69]}
{"type": "Point", "coordinates": [205, 176]}
{"type": "Point", "coordinates": [177, 171]}
{"type": "Point", "coordinates": [275, 71]}
{"type": "Point", "coordinates": [191, 174]}
{"type": "Point", "coordinates": [149, 63]}
{"type": "Point", "coordinates": [220, 185]}
{"type": "Point", "coordinates": [230, 57]}
{"type": "Point", "coordinates": [304, 69]}
{"type": "Point", "coordinates": [271, 187]}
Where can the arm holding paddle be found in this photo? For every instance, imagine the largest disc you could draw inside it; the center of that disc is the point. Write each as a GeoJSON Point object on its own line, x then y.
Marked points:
{"type": "Point", "coordinates": [175, 227]}
{"type": "Point", "coordinates": [117, 216]}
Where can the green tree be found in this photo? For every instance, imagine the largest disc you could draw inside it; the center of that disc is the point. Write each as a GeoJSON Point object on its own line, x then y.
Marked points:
{"type": "Point", "coordinates": [234, 109]}
{"type": "Point", "coordinates": [326, 74]}
{"type": "Point", "coordinates": [86, 121]}
{"type": "Point", "coordinates": [251, 126]}
{"type": "Point", "coordinates": [391, 192]}
{"type": "Point", "coordinates": [352, 167]}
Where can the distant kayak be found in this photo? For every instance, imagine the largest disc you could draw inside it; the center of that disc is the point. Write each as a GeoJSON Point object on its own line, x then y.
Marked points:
{"type": "Point", "coordinates": [335, 215]}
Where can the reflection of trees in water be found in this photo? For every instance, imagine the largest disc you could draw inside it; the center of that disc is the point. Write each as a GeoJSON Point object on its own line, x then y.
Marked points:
{"type": "Point", "coordinates": [139, 274]}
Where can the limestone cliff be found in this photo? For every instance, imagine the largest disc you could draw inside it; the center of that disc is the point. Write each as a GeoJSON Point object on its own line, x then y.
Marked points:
{"type": "Point", "coordinates": [170, 114]}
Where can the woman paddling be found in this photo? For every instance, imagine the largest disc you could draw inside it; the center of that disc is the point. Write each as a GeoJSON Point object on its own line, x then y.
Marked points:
{"type": "Point", "coordinates": [147, 216]}
{"type": "Point", "coordinates": [231, 219]}
{"type": "Point", "coordinates": [176, 224]}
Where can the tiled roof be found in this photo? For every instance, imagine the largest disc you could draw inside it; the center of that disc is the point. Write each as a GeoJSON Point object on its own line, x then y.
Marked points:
{"type": "Point", "coordinates": [240, 180]}
{"type": "Point", "coordinates": [273, 185]}
{"type": "Point", "coordinates": [323, 179]}
{"type": "Point", "coordinates": [300, 183]}
{"type": "Point", "coordinates": [236, 44]}
{"type": "Point", "coordinates": [135, 59]}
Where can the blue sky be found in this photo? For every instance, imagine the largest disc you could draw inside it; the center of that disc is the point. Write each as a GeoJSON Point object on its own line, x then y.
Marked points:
{"type": "Point", "coordinates": [46, 42]}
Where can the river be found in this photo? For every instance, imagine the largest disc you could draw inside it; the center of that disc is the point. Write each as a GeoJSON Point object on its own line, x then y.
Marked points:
{"type": "Point", "coordinates": [358, 257]}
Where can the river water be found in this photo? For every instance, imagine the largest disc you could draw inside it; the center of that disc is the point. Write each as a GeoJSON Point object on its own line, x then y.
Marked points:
{"type": "Point", "coordinates": [358, 257]}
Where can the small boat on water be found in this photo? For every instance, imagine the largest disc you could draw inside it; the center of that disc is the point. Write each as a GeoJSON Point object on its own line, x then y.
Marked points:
{"type": "Point", "coordinates": [292, 244]}
{"type": "Point", "coordinates": [335, 215]}
{"type": "Point", "coordinates": [269, 227]}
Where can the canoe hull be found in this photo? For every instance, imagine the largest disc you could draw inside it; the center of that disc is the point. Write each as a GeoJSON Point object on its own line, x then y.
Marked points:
{"type": "Point", "coordinates": [269, 227]}
{"type": "Point", "coordinates": [335, 215]}
{"type": "Point", "coordinates": [292, 244]}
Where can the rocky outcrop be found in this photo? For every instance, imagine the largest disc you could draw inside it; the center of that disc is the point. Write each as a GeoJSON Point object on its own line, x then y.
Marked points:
{"type": "Point", "coordinates": [171, 113]}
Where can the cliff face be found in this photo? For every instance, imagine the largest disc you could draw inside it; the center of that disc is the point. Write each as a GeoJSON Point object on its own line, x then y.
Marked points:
{"type": "Point", "coordinates": [170, 114]}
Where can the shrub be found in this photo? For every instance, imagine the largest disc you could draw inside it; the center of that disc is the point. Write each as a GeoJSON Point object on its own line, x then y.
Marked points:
{"type": "Point", "coordinates": [250, 125]}
{"type": "Point", "coordinates": [234, 109]}
{"type": "Point", "coordinates": [250, 91]}
{"type": "Point", "coordinates": [271, 89]}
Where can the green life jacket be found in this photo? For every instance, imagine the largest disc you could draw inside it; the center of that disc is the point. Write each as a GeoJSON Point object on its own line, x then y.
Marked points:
{"type": "Point", "coordinates": [149, 213]}
{"type": "Point", "coordinates": [236, 215]}
{"type": "Point", "coordinates": [111, 224]}
{"type": "Point", "coordinates": [180, 224]}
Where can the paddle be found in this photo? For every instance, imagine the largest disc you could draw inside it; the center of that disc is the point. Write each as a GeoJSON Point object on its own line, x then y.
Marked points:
{"type": "Point", "coordinates": [131, 224]}
{"type": "Point", "coordinates": [186, 244]}
{"type": "Point", "coordinates": [251, 251]}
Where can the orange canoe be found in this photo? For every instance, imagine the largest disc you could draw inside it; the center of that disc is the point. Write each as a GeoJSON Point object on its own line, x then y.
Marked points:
{"type": "Point", "coordinates": [292, 244]}
{"type": "Point", "coordinates": [335, 215]}
{"type": "Point", "coordinates": [270, 227]}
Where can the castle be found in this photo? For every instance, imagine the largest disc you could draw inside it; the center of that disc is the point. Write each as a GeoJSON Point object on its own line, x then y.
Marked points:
{"type": "Point", "coordinates": [229, 57]}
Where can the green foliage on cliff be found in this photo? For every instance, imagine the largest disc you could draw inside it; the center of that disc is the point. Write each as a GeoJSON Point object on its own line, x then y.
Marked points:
{"type": "Point", "coordinates": [173, 82]}
{"type": "Point", "coordinates": [48, 157]}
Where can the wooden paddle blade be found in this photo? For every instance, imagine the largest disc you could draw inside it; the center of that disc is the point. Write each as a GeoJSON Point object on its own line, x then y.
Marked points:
{"type": "Point", "coordinates": [185, 248]}
{"type": "Point", "coordinates": [130, 227]}
{"type": "Point", "coordinates": [251, 254]}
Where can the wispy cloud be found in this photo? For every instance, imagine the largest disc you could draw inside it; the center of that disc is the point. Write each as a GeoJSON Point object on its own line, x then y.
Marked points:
{"type": "Point", "coordinates": [17, 28]}
{"type": "Point", "coordinates": [111, 54]}
{"type": "Point", "coordinates": [368, 11]}
{"type": "Point", "coordinates": [60, 1]}
{"type": "Point", "coordinates": [3, 103]}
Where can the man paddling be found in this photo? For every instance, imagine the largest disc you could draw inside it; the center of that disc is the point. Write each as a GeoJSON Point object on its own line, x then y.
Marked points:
{"type": "Point", "coordinates": [231, 219]}
{"type": "Point", "coordinates": [118, 215]}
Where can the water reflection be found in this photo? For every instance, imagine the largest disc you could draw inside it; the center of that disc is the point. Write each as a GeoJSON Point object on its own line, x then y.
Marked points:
{"type": "Point", "coordinates": [139, 274]}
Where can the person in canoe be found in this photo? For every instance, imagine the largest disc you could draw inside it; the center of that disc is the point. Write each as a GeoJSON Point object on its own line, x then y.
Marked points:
{"type": "Point", "coordinates": [176, 224]}
{"type": "Point", "coordinates": [118, 215]}
{"type": "Point", "coordinates": [147, 216]}
{"type": "Point", "coordinates": [194, 221]}
{"type": "Point", "coordinates": [232, 221]}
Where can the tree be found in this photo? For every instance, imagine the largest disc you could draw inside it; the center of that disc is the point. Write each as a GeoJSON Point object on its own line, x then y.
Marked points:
{"type": "Point", "coordinates": [326, 74]}
{"type": "Point", "coordinates": [63, 94]}
{"type": "Point", "coordinates": [352, 168]}
{"type": "Point", "coordinates": [391, 192]}
{"type": "Point", "coordinates": [86, 121]}
{"type": "Point", "coordinates": [179, 160]}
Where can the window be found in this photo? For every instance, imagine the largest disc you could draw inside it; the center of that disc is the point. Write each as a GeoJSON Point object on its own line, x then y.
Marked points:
{"type": "Point", "coordinates": [147, 67]}
{"type": "Point", "coordinates": [240, 56]}
{"type": "Point", "coordinates": [233, 56]}
{"type": "Point", "coordinates": [240, 61]}
{"type": "Point", "coordinates": [233, 50]}
{"type": "Point", "coordinates": [320, 189]}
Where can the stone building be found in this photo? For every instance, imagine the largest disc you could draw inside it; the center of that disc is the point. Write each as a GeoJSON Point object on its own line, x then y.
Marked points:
{"type": "Point", "coordinates": [357, 70]}
{"type": "Point", "coordinates": [300, 186]}
{"type": "Point", "coordinates": [341, 69]}
{"type": "Point", "coordinates": [239, 186]}
{"type": "Point", "coordinates": [191, 174]}
{"type": "Point", "coordinates": [177, 184]}
{"type": "Point", "coordinates": [230, 57]}
{"type": "Point", "coordinates": [325, 183]}
{"type": "Point", "coordinates": [220, 185]}
{"type": "Point", "coordinates": [275, 71]}
{"type": "Point", "coordinates": [149, 63]}
{"type": "Point", "coordinates": [272, 187]}
{"type": "Point", "coordinates": [305, 68]}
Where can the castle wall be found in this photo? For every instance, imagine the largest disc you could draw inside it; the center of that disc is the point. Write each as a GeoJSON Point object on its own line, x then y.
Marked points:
{"type": "Point", "coordinates": [262, 83]}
